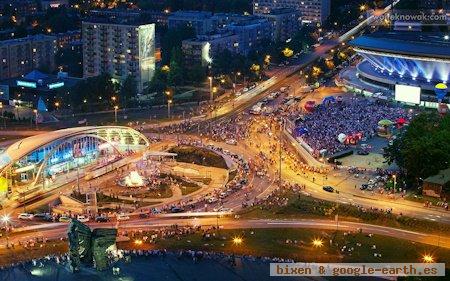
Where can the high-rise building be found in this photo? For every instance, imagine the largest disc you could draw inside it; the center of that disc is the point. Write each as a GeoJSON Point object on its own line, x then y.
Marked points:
{"type": "Point", "coordinates": [311, 11]}
{"type": "Point", "coordinates": [20, 56]}
{"type": "Point", "coordinates": [120, 49]}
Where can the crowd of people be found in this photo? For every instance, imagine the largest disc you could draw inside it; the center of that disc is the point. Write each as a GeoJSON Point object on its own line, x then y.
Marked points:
{"type": "Point", "coordinates": [320, 129]}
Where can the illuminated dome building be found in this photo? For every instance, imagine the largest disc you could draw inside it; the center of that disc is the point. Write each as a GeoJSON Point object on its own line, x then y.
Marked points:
{"type": "Point", "coordinates": [419, 60]}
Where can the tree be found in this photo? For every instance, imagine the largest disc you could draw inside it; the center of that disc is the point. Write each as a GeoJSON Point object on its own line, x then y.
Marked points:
{"type": "Point", "coordinates": [128, 90]}
{"type": "Point", "coordinates": [158, 83]}
{"type": "Point", "coordinates": [70, 60]}
{"type": "Point", "coordinates": [175, 76]}
{"type": "Point", "coordinates": [172, 40]}
{"type": "Point", "coordinates": [426, 138]}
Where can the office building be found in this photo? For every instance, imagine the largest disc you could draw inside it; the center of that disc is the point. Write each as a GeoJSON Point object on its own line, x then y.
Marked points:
{"type": "Point", "coordinates": [20, 56]}
{"type": "Point", "coordinates": [119, 48]}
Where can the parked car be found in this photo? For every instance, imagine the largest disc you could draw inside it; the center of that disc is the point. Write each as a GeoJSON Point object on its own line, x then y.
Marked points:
{"type": "Point", "coordinates": [212, 200]}
{"type": "Point", "coordinates": [231, 141]}
{"type": "Point", "coordinates": [362, 152]}
{"type": "Point", "coordinates": [328, 188]}
{"type": "Point", "coordinates": [102, 219]}
{"type": "Point", "coordinates": [42, 217]}
{"type": "Point", "coordinates": [123, 217]}
{"type": "Point", "coordinates": [364, 186]}
{"type": "Point", "coordinates": [83, 218]}
{"type": "Point", "coordinates": [143, 215]}
{"type": "Point", "coordinates": [64, 219]}
{"type": "Point", "coordinates": [25, 216]}
{"type": "Point", "coordinates": [177, 210]}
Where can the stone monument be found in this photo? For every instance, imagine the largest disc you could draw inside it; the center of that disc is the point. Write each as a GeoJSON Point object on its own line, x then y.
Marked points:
{"type": "Point", "coordinates": [90, 247]}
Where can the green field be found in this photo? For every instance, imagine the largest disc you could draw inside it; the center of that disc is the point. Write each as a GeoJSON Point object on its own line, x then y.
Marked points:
{"type": "Point", "coordinates": [199, 156]}
{"type": "Point", "coordinates": [298, 244]}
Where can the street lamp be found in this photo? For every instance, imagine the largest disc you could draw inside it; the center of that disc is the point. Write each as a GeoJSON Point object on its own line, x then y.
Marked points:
{"type": "Point", "coordinates": [5, 220]}
{"type": "Point", "coordinates": [237, 240]}
{"type": "Point", "coordinates": [35, 111]}
{"type": "Point", "coordinates": [115, 113]}
{"type": "Point", "coordinates": [169, 102]}
{"type": "Point", "coordinates": [211, 88]}
{"type": "Point", "coordinates": [113, 98]}
{"type": "Point", "coordinates": [317, 242]}
{"type": "Point", "coordinates": [3, 115]}
{"type": "Point", "coordinates": [57, 105]}
{"type": "Point", "coordinates": [428, 258]}
{"type": "Point", "coordinates": [394, 176]}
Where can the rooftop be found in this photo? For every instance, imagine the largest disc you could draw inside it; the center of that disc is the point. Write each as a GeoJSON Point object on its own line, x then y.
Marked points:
{"type": "Point", "coordinates": [28, 38]}
{"type": "Point", "coordinates": [442, 178]}
{"type": "Point", "coordinates": [191, 14]}
{"type": "Point", "coordinates": [432, 45]}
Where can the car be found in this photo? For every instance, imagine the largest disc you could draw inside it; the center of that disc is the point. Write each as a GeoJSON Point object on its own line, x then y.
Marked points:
{"type": "Point", "coordinates": [260, 173]}
{"type": "Point", "coordinates": [102, 219]}
{"type": "Point", "coordinates": [64, 219]}
{"type": "Point", "coordinates": [362, 152]}
{"type": "Point", "coordinates": [82, 218]}
{"type": "Point", "coordinates": [212, 200]}
{"type": "Point", "coordinates": [123, 217]}
{"type": "Point", "coordinates": [328, 188]}
{"type": "Point", "coordinates": [177, 210]}
{"type": "Point", "coordinates": [25, 216]}
{"type": "Point", "coordinates": [364, 186]}
{"type": "Point", "coordinates": [143, 215]}
{"type": "Point", "coordinates": [43, 217]}
{"type": "Point", "coordinates": [231, 142]}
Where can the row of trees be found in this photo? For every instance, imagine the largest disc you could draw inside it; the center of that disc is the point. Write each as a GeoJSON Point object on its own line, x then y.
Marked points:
{"type": "Point", "coordinates": [423, 148]}
{"type": "Point", "coordinates": [99, 93]}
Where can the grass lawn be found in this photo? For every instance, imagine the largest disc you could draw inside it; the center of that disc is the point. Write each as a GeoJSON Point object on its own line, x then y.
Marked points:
{"type": "Point", "coordinates": [302, 206]}
{"type": "Point", "coordinates": [162, 191]}
{"type": "Point", "coordinates": [199, 156]}
{"type": "Point", "coordinates": [291, 243]}
{"type": "Point", "coordinates": [185, 190]}
{"type": "Point", "coordinates": [297, 244]}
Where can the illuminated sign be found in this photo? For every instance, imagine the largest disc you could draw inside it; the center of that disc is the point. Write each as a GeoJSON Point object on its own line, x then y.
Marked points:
{"type": "Point", "coordinates": [26, 84]}
{"type": "Point", "coordinates": [56, 85]}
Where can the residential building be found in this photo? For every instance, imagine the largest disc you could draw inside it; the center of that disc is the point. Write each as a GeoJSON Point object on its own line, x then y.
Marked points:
{"type": "Point", "coordinates": [160, 18]}
{"type": "Point", "coordinates": [21, 8]}
{"type": "Point", "coordinates": [251, 31]}
{"type": "Point", "coordinates": [202, 22]}
{"type": "Point", "coordinates": [437, 185]}
{"type": "Point", "coordinates": [204, 48]}
{"type": "Point", "coordinates": [311, 11]}
{"type": "Point", "coordinates": [284, 22]}
{"type": "Point", "coordinates": [120, 48]}
{"type": "Point", "coordinates": [20, 56]}
{"type": "Point", "coordinates": [68, 38]}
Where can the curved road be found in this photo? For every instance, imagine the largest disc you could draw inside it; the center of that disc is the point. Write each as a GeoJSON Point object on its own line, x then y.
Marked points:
{"type": "Point", "coordinates": [58, 230]}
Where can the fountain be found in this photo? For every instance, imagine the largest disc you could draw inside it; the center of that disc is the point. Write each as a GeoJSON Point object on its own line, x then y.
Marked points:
{"type": "Point", "coordinates": [134, 179]}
